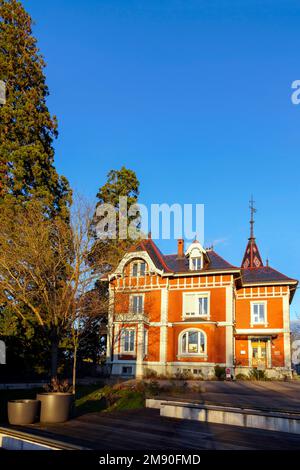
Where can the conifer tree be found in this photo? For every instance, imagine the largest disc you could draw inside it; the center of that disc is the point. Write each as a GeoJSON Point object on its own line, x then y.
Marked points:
{"type": "Point", "coordinates": [123, 182]}
{"type": "Point", "coordinates": [27, 129]}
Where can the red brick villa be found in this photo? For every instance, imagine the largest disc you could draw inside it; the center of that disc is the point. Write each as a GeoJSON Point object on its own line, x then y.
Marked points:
{"type": "Point", "coordinates": [193, 310]}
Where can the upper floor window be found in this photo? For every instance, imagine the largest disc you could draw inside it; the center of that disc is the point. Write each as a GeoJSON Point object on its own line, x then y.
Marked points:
{"type": "Point", "coordinates": [137, 303]}
{"type": "Point", "coordinates": [128, 340]}
{"type": "Point", "coordinates": [196, 305]}
{"type": "Point", "coordinates": [196, 263]}
{"type": "Point", "coordinates": [138, 268]}
{"type": "Point", "coordinates": [258, 313]}
{"type": "Point", "coordinates": [192, 342]}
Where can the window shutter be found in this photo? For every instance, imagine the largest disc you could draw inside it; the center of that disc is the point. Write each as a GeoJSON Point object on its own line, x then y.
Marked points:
{"type": "Point", "coordinates": [190, 305]}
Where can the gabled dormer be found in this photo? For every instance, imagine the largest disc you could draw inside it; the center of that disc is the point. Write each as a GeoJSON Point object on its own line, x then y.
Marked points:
{"type": "Point", "coordinates": [196, 255]}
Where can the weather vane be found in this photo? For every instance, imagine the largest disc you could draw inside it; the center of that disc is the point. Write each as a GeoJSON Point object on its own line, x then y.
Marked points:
{"type": "Point", "coordinates": [253, 210]}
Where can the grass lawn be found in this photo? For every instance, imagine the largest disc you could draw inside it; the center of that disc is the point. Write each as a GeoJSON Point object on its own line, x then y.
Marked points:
{"type": "Point", "coordinates": [108, 398]}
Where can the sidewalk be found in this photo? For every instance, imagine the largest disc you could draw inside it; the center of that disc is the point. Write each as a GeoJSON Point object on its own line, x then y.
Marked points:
{"type": "Point", "coordinates": [269, 395]}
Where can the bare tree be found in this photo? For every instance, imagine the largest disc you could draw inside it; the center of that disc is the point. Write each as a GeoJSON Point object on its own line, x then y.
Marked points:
{"type": "Point", "coordinates": [46, 273]}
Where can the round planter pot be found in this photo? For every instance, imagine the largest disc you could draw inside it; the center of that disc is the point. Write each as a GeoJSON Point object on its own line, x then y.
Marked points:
{"type": "Point", "coordinates": [55, 407]}
{"type": "Point", "coordinates": [23, 411]}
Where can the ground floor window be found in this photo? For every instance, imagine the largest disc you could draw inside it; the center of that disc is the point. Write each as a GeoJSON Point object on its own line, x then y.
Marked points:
{"type": "Point", "coordinates": [192, 342]}
{"type": "Point", "coordinates": [127, 340]}
{"type": "Point", "coordinates": [145, 343]}
{"type": "Point", "coordinates": [126, 370]}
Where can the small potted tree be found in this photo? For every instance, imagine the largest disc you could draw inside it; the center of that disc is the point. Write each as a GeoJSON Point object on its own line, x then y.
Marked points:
{"type": "Point", "coordinates": [56, 402]}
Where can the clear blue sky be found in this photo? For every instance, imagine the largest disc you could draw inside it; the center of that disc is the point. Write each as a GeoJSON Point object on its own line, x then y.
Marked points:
{"type": "Point", "coordinates": [192, 95]}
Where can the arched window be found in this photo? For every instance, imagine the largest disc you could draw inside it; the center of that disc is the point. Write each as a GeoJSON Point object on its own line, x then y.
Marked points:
{"type": "Point", "coordinates": [138, 268]}
{"type": "Point", "coordinates": [192, 342]}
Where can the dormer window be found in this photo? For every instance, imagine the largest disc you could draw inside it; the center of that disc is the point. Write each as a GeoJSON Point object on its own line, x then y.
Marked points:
{"type": "Point", "coordinates": [138, 268]}
{"type": "Point", "coordinates": [196, 255]}
{"type": "Point", "coordinates": [196, 263]}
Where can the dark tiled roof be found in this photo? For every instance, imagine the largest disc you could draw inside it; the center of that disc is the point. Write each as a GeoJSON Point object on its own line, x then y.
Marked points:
{"type": "Point", "coordinates": [263, 274]}
{"type": "Point", "coordinates": [252, 258]}
{"type": "Point", "coordinates": [176, 264]}
{"type": "Point", "coordinates": [217, 262]}
{"type": "Point", "coordinates": [153, 251]}
{"type": "Point", "coordinates": [180, 265]}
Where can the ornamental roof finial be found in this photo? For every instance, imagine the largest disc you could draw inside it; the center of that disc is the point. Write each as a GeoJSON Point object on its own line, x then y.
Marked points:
{"type": "Point", "coordinates": [252, 211]}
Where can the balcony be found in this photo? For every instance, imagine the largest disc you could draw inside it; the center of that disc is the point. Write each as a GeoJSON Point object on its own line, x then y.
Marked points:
{"type": "Point", "coordinates": [131, 317]}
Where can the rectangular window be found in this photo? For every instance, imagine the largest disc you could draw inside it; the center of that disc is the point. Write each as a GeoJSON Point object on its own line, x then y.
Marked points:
{"type": "Point", "coordinates": [258, 313]}
{"type": "Point", "coordinates": [196, 305]}
{"type": "Point", "coordinates": [127, 341]}
{"type": "Point", "coordinates": [203, 306]}
{"type": "Point", "coordinates": [135, 269]}
{"type": "Point", "coordinates": [145, 344]}
{"type": "Point", "coordinates": [126, 370]}
{"type": "Point", "coordinates": [138, 269]}
{"type": "Point", "coordinates": [196, 264]}
{"type": "Point", "coordinates": [137, 303]}
{"type": "Point", "coordinates": [142, 268]}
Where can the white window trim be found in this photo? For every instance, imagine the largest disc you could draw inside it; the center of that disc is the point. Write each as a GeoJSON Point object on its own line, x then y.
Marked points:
{"type": "Point", "coordinates": [122, 350]}
{"type": "Point", "coordinates": [187, 354]}
{"type": "Point", "coordinates": [252, 323]}
{"type": "Point", "coordinates": [191, 262]}
{"type": "Point", "coordinates": [138, 262]}
{"type": "Point", "coordinates": [145, 341]}
{"type": "Point", "coordinates": [131, 304]}
{"type": "Point", "coordinates": [199, 294]}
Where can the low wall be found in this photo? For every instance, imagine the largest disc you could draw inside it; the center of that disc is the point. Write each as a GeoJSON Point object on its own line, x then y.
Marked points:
{"type": "Point", "coordinates": [11, 439]}
{"type": "Point", "coordinates": [271, 421]}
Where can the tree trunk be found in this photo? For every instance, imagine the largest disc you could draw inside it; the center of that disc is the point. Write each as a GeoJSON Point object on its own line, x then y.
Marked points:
{"type": "Point", "coordinates": [54, 356]}
{"type": "Point", "coordinates": [74, 370]}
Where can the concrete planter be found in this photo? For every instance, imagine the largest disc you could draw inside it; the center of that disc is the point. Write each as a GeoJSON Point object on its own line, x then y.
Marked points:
{"type": "Point", "coordinates": [23, 412]}
{"type": "Point", "coordinates": [55, 407]}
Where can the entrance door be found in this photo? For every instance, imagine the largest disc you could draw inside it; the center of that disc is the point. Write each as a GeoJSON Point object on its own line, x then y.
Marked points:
{"type": "Point", "coordinates": [259, 353]}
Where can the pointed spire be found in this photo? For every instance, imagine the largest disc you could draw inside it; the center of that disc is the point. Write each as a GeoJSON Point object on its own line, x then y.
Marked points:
{"type": "Point", "coordinates": [252, 258]}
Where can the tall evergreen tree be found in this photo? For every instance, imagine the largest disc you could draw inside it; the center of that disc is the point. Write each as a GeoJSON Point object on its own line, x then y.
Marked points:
{"type": "Point", "coordinates": [123, 182]}
{"type": "Point", "coordinates": [27, 129]}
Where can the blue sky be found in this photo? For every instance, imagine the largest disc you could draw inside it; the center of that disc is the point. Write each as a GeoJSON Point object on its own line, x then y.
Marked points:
{"type": "Point", "coordinates": [192, 95]}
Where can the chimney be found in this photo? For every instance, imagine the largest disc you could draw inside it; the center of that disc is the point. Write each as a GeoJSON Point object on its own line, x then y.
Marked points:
{"type": "Point", "coordinates": [180, 247]}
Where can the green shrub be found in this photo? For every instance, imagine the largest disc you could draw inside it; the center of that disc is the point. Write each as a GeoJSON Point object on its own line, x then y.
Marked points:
{"type": "Point", "coordinates": [220, 372]}
{"type": "Point", "coordinates": [183, 375]}
{"type": "Point", "coordinates": [150, 373]}
{"type": "Point", "coordinates": [242, 377]}
{"type": "Point", "coordinates": [257, 374]}
{"type": "Point", "coordinates": [153, 388]}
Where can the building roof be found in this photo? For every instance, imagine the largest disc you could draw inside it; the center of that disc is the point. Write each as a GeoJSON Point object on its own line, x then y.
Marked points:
{"type": "Point", "coordinates": [180, 264]}
{"type": "Point", "coordinates": [264, 274]}
{"type": "Point", "coordinates": [153, 251]}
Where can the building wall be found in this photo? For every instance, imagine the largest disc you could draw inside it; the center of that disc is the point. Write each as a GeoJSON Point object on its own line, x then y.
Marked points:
{"type": "Point", "coordinates": [230, 315]}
